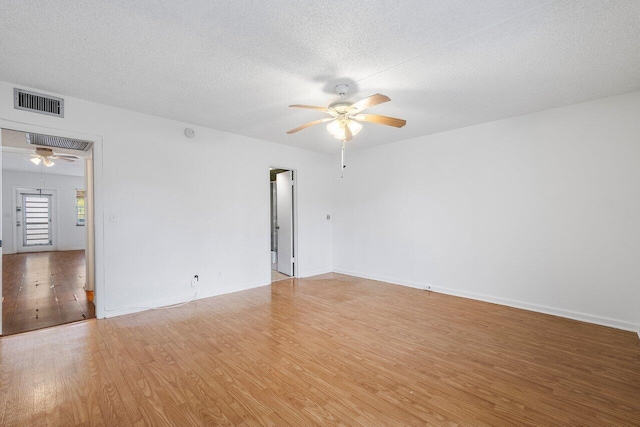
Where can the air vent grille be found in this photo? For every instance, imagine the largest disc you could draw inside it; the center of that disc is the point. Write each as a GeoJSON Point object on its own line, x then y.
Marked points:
{"type": "Point", "coordinates": [38, 103]}
{"type": "Point", "coordinates": [58, 142]}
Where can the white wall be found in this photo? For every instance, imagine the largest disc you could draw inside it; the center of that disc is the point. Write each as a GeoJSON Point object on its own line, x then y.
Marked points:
{"type": "Point", "coordinates": [540, 211]}
{"type": "Point", "coordinates": [187, 206]}
{"type": "Point", "coordinates": [69, 235]}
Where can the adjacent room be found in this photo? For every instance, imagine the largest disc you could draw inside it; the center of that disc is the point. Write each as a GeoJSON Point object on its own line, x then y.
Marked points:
{"type": "Point", "coordinates": [449, 234]}
{"type": "Point", "coordinates": [44, 272]}
{"type": "Point", "coordinates": [281, 217]}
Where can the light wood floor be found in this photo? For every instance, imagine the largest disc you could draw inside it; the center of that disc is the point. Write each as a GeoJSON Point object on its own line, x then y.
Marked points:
{"type": "Point", "coordinates": [327, 350]}
{"type": "Point", "coordinates": [276, 275]}
{"type": "Point", "coordinates": [42, 289]}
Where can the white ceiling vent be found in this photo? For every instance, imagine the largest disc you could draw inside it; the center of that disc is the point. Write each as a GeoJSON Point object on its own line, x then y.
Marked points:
{"type": "Point", "coordinates": [38, 103]}
{"type": "Point", "coordinates": [57, 142]}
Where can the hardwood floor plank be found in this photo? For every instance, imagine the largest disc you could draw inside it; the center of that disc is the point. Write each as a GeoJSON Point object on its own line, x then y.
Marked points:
{"type": "Point", "coordinates": [328, 350]}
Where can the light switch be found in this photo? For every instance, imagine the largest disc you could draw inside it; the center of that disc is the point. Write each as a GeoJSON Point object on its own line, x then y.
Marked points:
{"type": "Point", "coordinates": [328, 216]}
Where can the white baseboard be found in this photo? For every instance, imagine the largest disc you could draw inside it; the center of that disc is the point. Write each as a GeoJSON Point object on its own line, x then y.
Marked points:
{"type": "Point", "coordinates": [192, 295]}
{"type": "Point", "coordinates": [583, 317]}
{"type": "Point", "coordinates": [215, 292]}
{"type": "Point", "coordinates": [12, 252]}
{"type": "Point", "coordinates": [389, 280]}
{"type": "Point", "coordinates": [149, 305]}
{"type": "Point", "coordinates": [315, 273]}
{"type": "Point", "coordinates": [71, 248]}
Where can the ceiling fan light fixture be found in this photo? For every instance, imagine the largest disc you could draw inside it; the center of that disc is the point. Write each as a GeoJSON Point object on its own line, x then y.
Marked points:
{"type": "Point", "coordinates": [336, 128]}
{"type": "Point", "coordinates": [36, 160]}
{"type": "Point", "coordinates": [48, 163]}
{"type": "Point", "coordinates": [354, 126]}
{"type": "Point", "coordinates": [345, 117]}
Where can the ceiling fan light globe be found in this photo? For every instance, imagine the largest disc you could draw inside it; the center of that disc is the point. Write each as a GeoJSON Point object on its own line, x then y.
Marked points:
{"type": "Point", "coordinates": [354, 127]}
{"type": "Point", "coordinates": [335, 128]}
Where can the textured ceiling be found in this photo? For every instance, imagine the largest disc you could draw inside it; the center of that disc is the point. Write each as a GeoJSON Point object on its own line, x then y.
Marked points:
{"type": "Point", "coordinates": [237, 65]}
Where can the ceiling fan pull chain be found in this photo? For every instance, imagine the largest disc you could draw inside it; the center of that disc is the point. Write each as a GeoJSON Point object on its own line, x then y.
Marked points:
{"type": "Point", "coordinates": [342, 165]}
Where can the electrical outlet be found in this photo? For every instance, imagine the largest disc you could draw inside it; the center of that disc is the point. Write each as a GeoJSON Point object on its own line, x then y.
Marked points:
{"type": "Point", "coordinates": [427, 288]}
{"type": "Point", "coordinates": [194, 281]}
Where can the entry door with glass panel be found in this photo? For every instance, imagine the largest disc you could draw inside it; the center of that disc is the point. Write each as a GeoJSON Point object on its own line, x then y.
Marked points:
{"type": "Point", "coordinates": [36, 222]}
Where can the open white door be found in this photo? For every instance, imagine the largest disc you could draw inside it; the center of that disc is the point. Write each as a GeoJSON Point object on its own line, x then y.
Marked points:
{"type": "Point", "coordinates": [1, 250]}
{"type": "Point", "coordinates": [284, 187]}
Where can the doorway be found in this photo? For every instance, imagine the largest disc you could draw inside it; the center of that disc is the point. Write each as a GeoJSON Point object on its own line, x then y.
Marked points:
{"type": "Point", "coordinates": [46, 231]}
{"type": "Point", "coordinates": [282, 221]}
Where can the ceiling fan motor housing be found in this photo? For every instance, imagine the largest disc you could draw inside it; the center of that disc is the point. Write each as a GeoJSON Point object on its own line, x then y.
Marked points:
{"type": "Point", "coordinates": [339, 107]}
{"type": "Point", "coordinates": [44, 152]}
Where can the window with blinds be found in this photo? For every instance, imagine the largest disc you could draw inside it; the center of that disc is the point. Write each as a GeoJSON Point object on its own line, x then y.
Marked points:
{"type": "Point", "coordinates": [37, 219]}
{"type": "Point", "coordinates": [80, 207]}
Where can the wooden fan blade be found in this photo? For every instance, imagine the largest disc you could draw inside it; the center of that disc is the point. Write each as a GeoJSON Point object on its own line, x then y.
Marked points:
{"type": "Point", "coordinates": [66, 159]}
{"type": "Point", "coordinates": [315, 122]}
{"type": "Point", "coordinates": [310, 107]}
{"type": "Point", "coordinates": [369, 102]}
{"type": "Point", "coordinates": [67, 156]}
{"type": "Point", "coordinates": [383, 120]}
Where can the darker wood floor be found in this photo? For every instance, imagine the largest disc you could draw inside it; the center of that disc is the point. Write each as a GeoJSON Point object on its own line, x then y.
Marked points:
{"type": "Point", "coordinates": [329, 350]}
{"type": "Point", "coordinates": [43, 289]}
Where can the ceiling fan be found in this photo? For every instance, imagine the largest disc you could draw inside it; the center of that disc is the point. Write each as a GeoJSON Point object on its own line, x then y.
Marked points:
{"type": "Point", "coordinates": [46, 155]}
{"type": "Point", "coordinates": [346, 116]}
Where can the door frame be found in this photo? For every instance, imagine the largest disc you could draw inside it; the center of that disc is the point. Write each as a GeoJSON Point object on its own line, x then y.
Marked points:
{"type": "Point", "coordinates": [98, 201]}
{"type": "Point", "coordinates": [55, 215]}
{"type": "Point", "coordinates": [296, 263]}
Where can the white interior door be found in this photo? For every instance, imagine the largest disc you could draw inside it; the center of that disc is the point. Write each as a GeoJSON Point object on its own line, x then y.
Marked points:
{"type": "Point", "coordinates": [284, 227]}
{"type": "Point", "coordinates": [1, 216]}
{"type": "Point", "coordinates": [34, 222]}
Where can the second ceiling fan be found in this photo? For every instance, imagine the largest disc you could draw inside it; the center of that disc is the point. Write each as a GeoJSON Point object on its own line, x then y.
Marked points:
{"type": "Point", "coordinates": [345, 116]}
{"type": "Point", "coordinates": [45, 155]}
